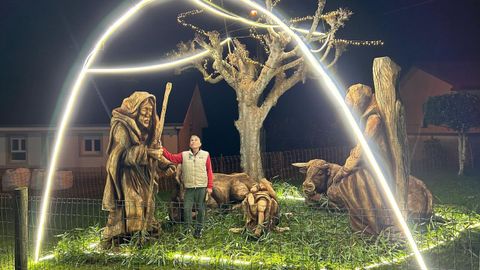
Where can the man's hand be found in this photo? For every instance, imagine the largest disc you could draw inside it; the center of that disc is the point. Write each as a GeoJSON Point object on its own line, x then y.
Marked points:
{"type": "Point", "coordinates": [209, 190]}
{"type": "Point", "coordinates": [155, 153]}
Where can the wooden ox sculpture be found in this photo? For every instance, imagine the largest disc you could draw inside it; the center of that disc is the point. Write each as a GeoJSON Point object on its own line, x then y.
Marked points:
{"type": "Point", "coordinates": [228, 189]}
{"type": "Point", "coordinates": [360, 195]}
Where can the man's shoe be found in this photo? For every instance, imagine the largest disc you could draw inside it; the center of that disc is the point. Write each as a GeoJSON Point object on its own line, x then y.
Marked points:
{"type": "Point", "coordinates": [197, 233]}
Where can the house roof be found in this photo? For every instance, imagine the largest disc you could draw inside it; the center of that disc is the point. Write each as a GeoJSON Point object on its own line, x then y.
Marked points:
{"type": "Point", "coordinates": [461, 75]}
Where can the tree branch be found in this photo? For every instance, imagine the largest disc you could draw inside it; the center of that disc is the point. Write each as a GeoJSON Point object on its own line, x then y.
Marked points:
{"type": "Point", "coordinates": [208, 77]}
{"type": "Point", "coordinates": [290, 54]}
{"type": "Point", "coordinates": [221, 66]}
{"type": "Point", "coordinates": [339, 50]}
{"type": "Point", "coordinates": [316, 19]}
{"type": "Point", "coordinates": [281, 86]}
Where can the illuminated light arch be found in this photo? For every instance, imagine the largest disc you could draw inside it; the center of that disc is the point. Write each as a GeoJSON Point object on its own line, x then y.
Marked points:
{"type": "Point", "coordinates": [161, 65]}
{"type": "Point", "coordinates": [331, 86]}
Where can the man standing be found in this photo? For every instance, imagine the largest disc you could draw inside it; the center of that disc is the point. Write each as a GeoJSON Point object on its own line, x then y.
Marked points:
{"type": "Point", "coordinates": [197, 178]}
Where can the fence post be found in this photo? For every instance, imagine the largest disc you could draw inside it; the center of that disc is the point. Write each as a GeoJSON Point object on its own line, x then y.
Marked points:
{"type": "Point", "coordinates": [21, 228]}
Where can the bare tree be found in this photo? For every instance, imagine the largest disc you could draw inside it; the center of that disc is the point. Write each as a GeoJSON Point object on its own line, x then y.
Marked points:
{"type": "Point", "coordinates": [250, 79]}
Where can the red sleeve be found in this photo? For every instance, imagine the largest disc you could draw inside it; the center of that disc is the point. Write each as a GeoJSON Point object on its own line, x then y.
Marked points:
{"type": "Point", "coordinates": [209, 172]}
{"type": "Point", "coordinates": [175, 158]}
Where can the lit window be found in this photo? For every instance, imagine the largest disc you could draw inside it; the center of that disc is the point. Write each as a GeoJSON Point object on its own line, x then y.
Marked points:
{"type": "Point", "coordinates": [18, 149]}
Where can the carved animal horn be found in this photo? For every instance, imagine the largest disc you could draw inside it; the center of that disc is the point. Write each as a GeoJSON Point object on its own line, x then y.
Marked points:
{"type": "Point", "coordinates": [325, 166]}
{"type": "Point", "coordinates": [300, 164]}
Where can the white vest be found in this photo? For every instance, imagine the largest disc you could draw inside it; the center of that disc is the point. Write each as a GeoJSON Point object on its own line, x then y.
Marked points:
{"type": "Point", "coordinates": [194, 169]}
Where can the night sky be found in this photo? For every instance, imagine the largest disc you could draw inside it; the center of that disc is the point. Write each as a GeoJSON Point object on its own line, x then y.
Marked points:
{"type": "Point", "coordinates": [42, 42]}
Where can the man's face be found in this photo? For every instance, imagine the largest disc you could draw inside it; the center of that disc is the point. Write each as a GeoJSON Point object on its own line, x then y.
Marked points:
{"type": "Point", "coordinates": [145, 114]}
{"type": "Point", "coordinates": [195, 142]}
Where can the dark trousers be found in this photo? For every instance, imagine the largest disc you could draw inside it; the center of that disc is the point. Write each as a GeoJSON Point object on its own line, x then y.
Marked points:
{"type": "Point", "coordinates": [194, 196]}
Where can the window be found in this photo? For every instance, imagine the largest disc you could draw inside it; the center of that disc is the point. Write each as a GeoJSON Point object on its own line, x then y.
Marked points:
{"type": "Point", "coordinates": [92, 145]}
{"type": "Point", "coordinates": [18, 149]}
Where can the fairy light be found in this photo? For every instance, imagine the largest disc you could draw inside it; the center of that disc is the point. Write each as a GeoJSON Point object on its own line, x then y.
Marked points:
{"type": "Point", "coordinates": [326, 16]}
{"type": "Point", "coordinates": [358, 42]}
{"type": "Point", "coordinates": [224, 13]}
{"type": "Point", "coordinates": [182, 16]}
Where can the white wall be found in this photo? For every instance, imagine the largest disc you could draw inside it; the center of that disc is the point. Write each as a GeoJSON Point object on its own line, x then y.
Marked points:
{"type": "Point", "coordinates": [34, 150]}
{"type": "Point", "coordinates": [40, 146]}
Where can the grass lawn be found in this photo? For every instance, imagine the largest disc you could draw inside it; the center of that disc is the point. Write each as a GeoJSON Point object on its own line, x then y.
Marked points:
{"type": "Point", "coordinates": [317, 238]}
{"type": "Point", "coordinates": [449, 188]}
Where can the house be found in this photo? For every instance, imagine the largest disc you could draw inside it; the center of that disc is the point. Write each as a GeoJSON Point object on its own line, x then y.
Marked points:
{"type": "Point", "coordinates": [433, 79]}
{"type": "Point", "coordinates": [85, 146]}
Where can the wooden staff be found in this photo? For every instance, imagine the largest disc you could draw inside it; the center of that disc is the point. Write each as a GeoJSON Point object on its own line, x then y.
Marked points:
{"type": "Point", "coordinates": [156, 143]}
{"type": "Point", "coordinates": [161, 121]}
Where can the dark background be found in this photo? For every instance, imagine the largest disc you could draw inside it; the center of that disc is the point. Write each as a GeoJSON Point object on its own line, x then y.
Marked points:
{"type": "Point", "coordinates": [44, 42]}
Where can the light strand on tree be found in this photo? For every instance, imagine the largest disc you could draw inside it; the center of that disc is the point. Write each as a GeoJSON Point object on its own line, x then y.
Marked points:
{"type": "Point", "coordinates": [358, 42]}
{"type": "Point", "coordinates": [325, 16]}
{"type": "Point", "coordinates": [182, 16]}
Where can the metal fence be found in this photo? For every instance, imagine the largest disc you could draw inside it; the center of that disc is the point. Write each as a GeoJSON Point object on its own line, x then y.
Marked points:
{"type": "Point", "coordinates": [318, 238]}
{"type": "Point", "coordinates": [7, 235]}
{"type": "Point", "coordinates": [90, 182]}
{"type": "Point", "coordinates": [279, 164]}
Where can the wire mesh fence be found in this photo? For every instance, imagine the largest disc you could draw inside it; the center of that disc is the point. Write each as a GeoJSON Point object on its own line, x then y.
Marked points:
{"type": "Point", "coordinates": [278, 164]}
{"type": "Point", "coordinates": [6, 232]}
{"type": "Point", "coordinates": [318, 237]}
{"type": "Point", "coordinates": [90, 182]}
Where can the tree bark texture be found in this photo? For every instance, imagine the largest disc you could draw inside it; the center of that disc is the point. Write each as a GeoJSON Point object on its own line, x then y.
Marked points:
{"type": "Point", "coordinates": [249, 124]}
{"type": "Point", "coordinates": [385, 75]}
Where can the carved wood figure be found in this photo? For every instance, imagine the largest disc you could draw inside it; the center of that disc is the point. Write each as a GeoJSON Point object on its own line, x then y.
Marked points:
{"type": "Point", "coordinates": [352, 185]}
{"type": "Point", "coordinates": [134, 168]}
{"type": "Point", "coordinates": [261, 210]}
{"type": "Point", "coordinates": [229, 190]}
{"type": "Point", "coordinates": [319, 178]}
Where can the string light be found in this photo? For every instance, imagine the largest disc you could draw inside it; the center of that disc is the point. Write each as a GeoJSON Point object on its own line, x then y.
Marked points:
{"type": "Point", "coordinates": [358, 42]}
{"type": "Point", "coordinates": [325, 16]}
{"type": "Point", "coordinates": [215, 9]}
{"type": "Point", "coordinates": [183, 15]}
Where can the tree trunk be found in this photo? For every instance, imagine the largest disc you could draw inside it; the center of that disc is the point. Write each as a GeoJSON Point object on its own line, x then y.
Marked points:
{"type": "Point", "coordinates": [249, 124]}
{"type": "Point", "coordinates": [385, 74]}
{"type": "Point", "coordinates": [462, 141]}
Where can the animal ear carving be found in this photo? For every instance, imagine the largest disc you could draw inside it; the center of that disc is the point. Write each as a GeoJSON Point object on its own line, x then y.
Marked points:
{"type": "Point", "coordinates": [302, 165]}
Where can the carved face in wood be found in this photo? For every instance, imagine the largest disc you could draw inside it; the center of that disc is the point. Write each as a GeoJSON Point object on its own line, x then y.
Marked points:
{"type": "Point", "coordinates": [316, 176]}
{"type": "Point", "coordinates": [145, 113]}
